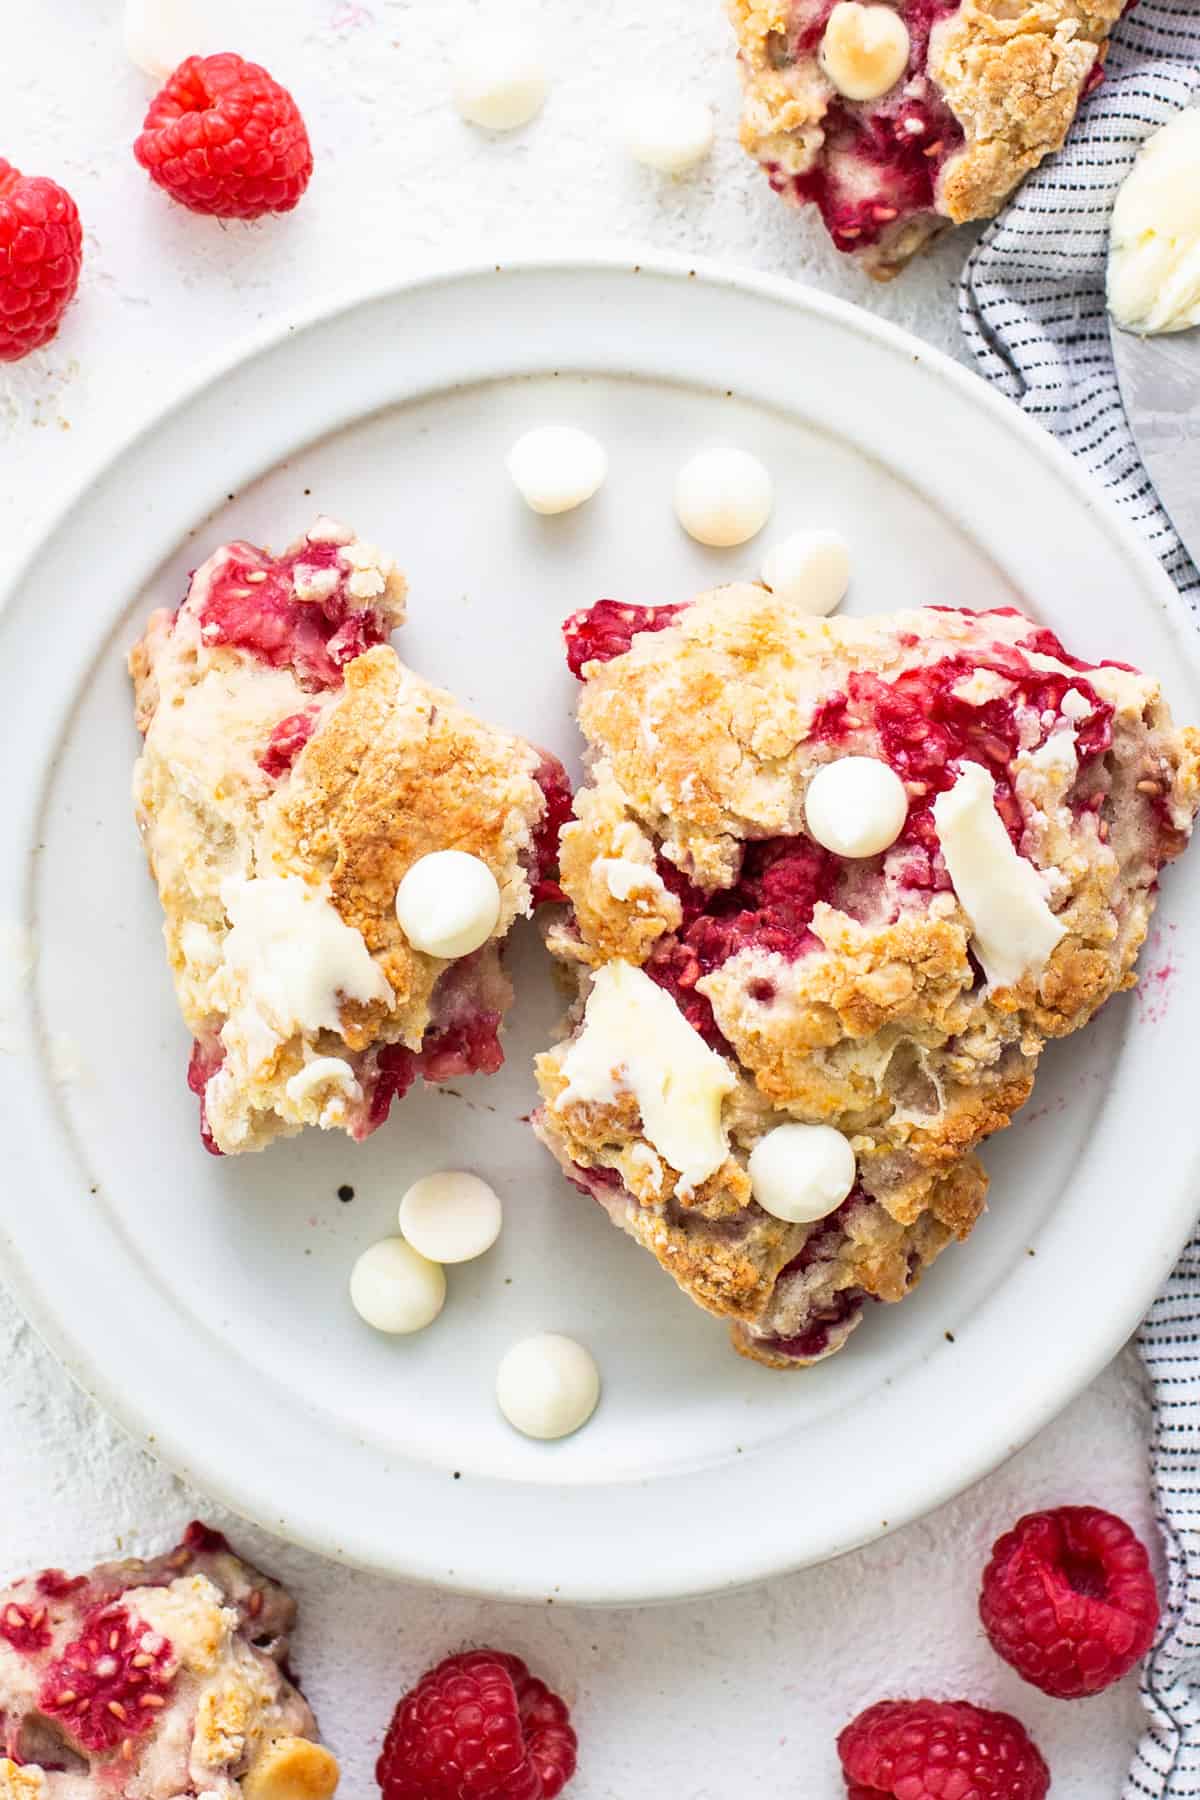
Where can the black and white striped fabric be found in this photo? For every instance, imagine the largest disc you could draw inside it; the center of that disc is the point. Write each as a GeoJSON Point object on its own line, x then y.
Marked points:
{"type": "Point", "coordinates": [1032, 308]}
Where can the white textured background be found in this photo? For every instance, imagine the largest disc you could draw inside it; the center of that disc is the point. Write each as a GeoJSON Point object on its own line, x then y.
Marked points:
{"type": "Point", "coordinates": [697, 1702]}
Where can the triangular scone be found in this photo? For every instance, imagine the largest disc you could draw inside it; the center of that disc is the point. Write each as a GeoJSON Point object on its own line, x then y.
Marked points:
{"type": "Point", "coordinates": [896, 120]}
{"type": "Point", "coordinates": [156, 1679]}
{"type": "Point", "coordinates": [868, 995]}
{"type": "Point", "coordinates": [293, 770]}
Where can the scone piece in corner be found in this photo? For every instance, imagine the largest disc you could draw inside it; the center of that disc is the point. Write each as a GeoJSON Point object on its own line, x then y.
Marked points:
{"type": "Point", "coordinates": [293, 770]}
{"type": "Point", "coordinates": [897, 120]}
{"type": "Point", "coordinates": [151, 1680]}
{"type": "Point", "coordinates": [736, 978]}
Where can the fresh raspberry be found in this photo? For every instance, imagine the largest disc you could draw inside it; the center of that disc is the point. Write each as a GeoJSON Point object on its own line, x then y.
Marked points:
{"type": "Point", "coordinates": [223, 138]}
{"type": "Point", "coordinates": [1069, 1600]}
{"type": "Point", "coordinates": [41, 250]}
{"type": "Point", "coordinates": [600, 632]}
{"type": "Point", "coordinates": [940, 1750]}
{"type": "Point", "coordinates": [478, 1727]}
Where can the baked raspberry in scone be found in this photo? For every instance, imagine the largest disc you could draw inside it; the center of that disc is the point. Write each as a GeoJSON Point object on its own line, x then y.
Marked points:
{"type": "Point", "coordinates": [154, 1680]}
{"type": "Point", "coordinates": [896, 120]}
{"type": "Point", "coordinates": [293, 771]}
{"type": "Point", "coordinates": [739, 980]}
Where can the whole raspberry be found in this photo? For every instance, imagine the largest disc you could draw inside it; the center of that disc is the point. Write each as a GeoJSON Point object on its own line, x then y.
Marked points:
{"type": "Point", "coordinates": [41, 250]}
{"type": "Point", "coordinates": [940, 1750]}
{"type": "Point", "coordinates": [223, 138]}
{"type": "Point", "coordinates": [1069, 1600]}
{"type": "Point", "coordinates": [478, 1727]}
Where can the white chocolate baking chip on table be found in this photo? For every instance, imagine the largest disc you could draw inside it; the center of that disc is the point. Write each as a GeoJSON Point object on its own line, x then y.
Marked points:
{"type": "Point", "coordinates": [670, 132]}
{"type": "Point", "coordinates": [547, 1386]}
{"type": "Point", "coordinates": [855, 806]}
{"type": "Point", "coordinates": [451, 1217]}
{"type": "Point", "coordinates": [801, 1173]}
{"type": "Point", "coordinates": [159, 34]}
{"type": "Point", "coordinates": [499, 80]}
{"type": "Point", "coordinates": [723, 497]}
{"type": "Point", "coordinates": [557, 467]}
{"type": "Point", "coordinates": [395, 1289]}
{"type": "Point", "coordinates": [809, 570]}
{"type": "Point", "coordinates": [864, 51]}
{"type": "Point", "coordinates": [448, 903]}
{"type": "Point", "coordinates": [1154, 238]}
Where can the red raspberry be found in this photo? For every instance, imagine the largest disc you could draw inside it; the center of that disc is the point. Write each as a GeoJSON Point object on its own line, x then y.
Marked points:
{"type": "Point", "coordinates": [1069, 1600]}
{"type": "Point", "coordinates": [41, 250]}
{"type": "Point", "coordinates": [478, 1727]}
{"type": "Point", "coordinates": [940, 1750]}
{"type": "Point", "coordinates": [223, 138]}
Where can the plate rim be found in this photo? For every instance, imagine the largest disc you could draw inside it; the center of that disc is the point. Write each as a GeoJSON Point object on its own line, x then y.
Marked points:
{"type": "Point", "coordinates": [123, 1407]}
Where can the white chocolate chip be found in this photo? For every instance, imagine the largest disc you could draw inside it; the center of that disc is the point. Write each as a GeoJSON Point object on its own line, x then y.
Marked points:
{"type": "Point", "coordinates": [809, 570]}
{"type": "Point", "coordinates": [864, 51]}
{"type": "Point", "coordinates": [801, 1173]}
{"type": "Point", "coordinates": [395, 1289]}
{"type": "Point", "coordinates": [723, 497]}
{"type": "Point", "coordinates": [669, 133]}
{"type": "Point", "coordinates": [499, 80]}
{"type": "Point", "coordinates": [448, 903]}
{"type": "Point", "coordinates": [557, 467]}
{"type": "Point", "coordinates": [547, 1386]}
{"type": "Point", "coordinates": [855, 806]}
{"type": "Point", "coordinates": [159, 34]}
{"type": "Point", "coordinates": [450, 1217]}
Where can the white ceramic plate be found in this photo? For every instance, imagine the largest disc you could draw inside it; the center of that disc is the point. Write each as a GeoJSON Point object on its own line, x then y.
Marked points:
{"type": "Point", "coordinates": [204, 1301]}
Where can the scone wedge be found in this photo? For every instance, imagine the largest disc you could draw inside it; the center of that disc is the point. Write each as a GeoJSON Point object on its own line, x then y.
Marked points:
{"type": "Point", "coordinates": [293, 770]}
{"type": "Point", "coordinates": [898, 119]}
{"type": "Point", "coordinates": [152, 1680]}
{"type": "Point", "coordinates": [735, 977]}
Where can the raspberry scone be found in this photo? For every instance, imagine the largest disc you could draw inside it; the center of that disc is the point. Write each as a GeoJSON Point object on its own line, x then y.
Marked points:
{"type": "Point", "coordinates": [153, 1680]}
{"type": "Point", "coordinates": [896, 120]}
{"type": "Point", "coordinates": [832, 884]}
{"type": "Point", "coordinates": [294, 773]}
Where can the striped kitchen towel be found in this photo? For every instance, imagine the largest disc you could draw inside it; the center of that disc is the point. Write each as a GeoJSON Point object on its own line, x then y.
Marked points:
{"type": "Point", "coordinates": [1032, 308]}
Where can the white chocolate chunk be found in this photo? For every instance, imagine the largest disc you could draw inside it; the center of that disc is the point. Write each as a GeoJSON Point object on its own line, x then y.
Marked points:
{"type": "Point", "coordinates": [547, 1386]}
{"type": "Point", "coordinates": [323, 1072]}
{"type": "Point", "coordinates": [395, 1289]}
{"type": "Point", "coordinates": [499, 80]}
{"type": "Point", "coordinates": [448, 903]}
{"type": "Point", "coordinates": [723, 497]}
{"type": "Point", "coordinates": [1154, 237]}
{"type": "Point", "coordinates": [864, 51]}
{"type": "Point", "coordinates": [855, 806]}
{"type": "Point", "coordinates": [1013, 930]}
{"type": "Point", "coordinates": [450, 1217]}
{"type": "Point", "coordinates": [669, 133]}
{"type": "Point", "coordinates": [557, 467]}
{"type": "Point", "coordinates": [290, 958]}
{"type": "Point", "coordinates": [801, 1173]}
{"type": "Point", "coordinates": [635, 1039]}
{"type": "Point", "coordinates": [809, 570]}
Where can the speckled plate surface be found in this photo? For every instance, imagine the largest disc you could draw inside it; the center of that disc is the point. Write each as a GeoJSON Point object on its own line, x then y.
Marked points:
{"type": "Point", "coordinates": [204, 1301]}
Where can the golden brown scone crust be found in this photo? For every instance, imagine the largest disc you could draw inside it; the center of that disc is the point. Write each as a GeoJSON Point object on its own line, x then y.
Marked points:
{"type": "Point", "coordinates": [1011, 75]}
{"type": "Point", "coordinates": [700, 744]}
{"type": "Point", "coordinates": [394, 768]}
